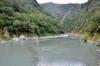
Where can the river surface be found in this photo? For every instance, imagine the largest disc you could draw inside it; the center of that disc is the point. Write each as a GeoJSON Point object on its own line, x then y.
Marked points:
{"type": "Point", "coordinates": [51, 52]}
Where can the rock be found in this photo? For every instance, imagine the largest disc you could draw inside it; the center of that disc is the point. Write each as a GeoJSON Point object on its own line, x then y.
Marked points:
{"type": "Point", "coordinates": [22, 37]}
{"type": "Point", "coordinates": [3, 41]}
{"type": "Point", "coordinates": [16, 39]}
{"type": "Point", "coordinates": [98, 50]}
{"type": "Point", "coordinates": [97, 42]}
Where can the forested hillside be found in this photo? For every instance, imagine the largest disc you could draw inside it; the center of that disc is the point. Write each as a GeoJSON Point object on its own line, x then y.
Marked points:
{"type": "Point", "coordinates": [25, 17]}
{"type": "Point", "coordinates": [90, 19]}
{"type": "Point", "coordinates": [29, 18]}
{"type": "Point", "coordinates": [77, 18]}
{"type": "Point", "coordinates": [59, 10]}
{"type": "Point", "coordinates": [66, 14]}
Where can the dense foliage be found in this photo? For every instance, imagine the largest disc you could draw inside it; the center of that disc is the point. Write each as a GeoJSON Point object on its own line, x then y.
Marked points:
{"type": "Point", "coordinates": [93, 24]}
{"type": "Point", "coordinates": [90, 19]}
{"type": "Point", "coordinates": [25, 19]}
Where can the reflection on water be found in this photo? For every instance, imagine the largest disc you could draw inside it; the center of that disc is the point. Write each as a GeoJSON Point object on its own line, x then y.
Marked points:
{"type": "Point", "coordinates": [52, 52]}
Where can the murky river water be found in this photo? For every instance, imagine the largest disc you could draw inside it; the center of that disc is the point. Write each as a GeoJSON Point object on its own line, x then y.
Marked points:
{"type": "Point", "coordinates": [52, 52]}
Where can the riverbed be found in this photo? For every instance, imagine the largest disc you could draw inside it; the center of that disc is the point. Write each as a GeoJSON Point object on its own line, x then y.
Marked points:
{"type": "Point", "coordinates": [50, 52]}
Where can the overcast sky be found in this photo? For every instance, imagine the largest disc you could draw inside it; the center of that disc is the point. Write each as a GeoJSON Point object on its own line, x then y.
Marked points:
{"type": "Point", "coordinates": [62, 1]}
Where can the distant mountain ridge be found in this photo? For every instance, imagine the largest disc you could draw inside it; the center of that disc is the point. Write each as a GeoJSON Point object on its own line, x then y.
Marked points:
{"type": "Point", "coordinates": [66, 14]}
{"type": "Point", "coordinates": [59, 10]}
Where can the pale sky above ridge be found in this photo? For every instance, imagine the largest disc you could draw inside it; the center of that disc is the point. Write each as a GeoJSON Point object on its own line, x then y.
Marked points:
{"type": "Point", "coordinates": [62, 1]}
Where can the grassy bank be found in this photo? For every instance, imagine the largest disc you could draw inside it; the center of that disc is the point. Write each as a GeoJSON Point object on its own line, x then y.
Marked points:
{"type": "Point", "coordinates": [93, 37]}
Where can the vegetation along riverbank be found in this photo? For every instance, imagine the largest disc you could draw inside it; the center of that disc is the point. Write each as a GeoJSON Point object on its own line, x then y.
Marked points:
{"type": "Point", "coordinates": [20, 18]}
{"type": "Point", "coordinates": [31, 19]}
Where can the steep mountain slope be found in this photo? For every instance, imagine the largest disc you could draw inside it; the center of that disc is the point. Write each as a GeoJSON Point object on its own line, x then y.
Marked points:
{"type": "Point", "coordinates": [84, 18]}
{"type": "Point", "coordinates": [59, 10]}
{"type": "Point", "coordinates": [21, 4]}
{"type": "Point", "coordinates": [66, 14]}
{"type": "Point", "coordinates": [90, 18]}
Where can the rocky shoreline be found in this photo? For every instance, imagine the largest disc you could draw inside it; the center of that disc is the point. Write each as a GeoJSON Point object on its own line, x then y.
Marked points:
{"type": "Point", "coordinates": [98, 50]}
{"type": "Point", "coordinates": [22, 37]}
{"type": "Point", "coordinates": [97, 44]}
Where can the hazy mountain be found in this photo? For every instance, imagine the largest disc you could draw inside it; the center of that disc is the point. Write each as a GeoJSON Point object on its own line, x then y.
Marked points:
{"type": "Point", "coordinates": [66, 14]}
{"type": "Point", "coordinates": [59, 10]}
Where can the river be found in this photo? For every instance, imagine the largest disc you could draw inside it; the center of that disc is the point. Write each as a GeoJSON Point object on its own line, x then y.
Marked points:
{"type": "Point", "coordinates": [50, 52]}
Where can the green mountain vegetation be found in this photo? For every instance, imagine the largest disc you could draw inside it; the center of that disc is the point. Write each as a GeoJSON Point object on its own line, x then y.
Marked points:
{"type": "Point", "coordinates": [90, 19]}
{"type": "Point", "coordinates": [77, 18]}
{"type": "Point", "coordinates": [25, 17]}
{"type": "Point", "coordinates": [66, 14]}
